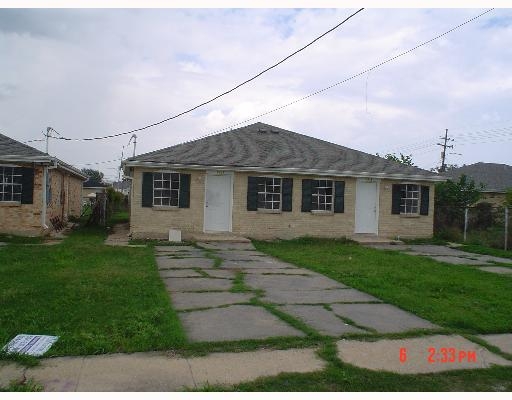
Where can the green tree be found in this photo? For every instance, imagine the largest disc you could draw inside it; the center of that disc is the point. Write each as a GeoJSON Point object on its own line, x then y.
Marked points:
{"type": "Point", "coordinates": [402, 158]}
{"type": "Point", "coordinates": [94, 175]}
{"type": "Point", "coordinates": [508, 198]}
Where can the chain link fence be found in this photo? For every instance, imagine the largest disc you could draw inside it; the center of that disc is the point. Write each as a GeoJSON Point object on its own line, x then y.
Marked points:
{"type": "Point", "coordinates": [483, 224]}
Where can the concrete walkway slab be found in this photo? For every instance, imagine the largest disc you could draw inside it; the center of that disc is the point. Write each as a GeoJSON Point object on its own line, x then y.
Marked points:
{"type": "Point", "coordinates": [247, 255]}
{"type": "Point", "coordinates": [234, 323]}
{"type": "Point", "coordinates": [491, 258]}
{"type": "Point", "coordinates": [188, 263]}
{"type": "Point", "coordinates": [220, 273]}
{"type": "Point", "coordinates": [459, 260]}
{"type": "Point", "coordinates": [384, 355]}
{"type": "Point", "coordinates": [322, 320]}
{"type": "Point", "coordinates": [174, 249]}
{"type": "Point", "coordinates": [264, 263]}
{"type": "Point", "coordinates": [503, 341]}
{"type": "Point", "coordinates": [197, 284]}
{"type": "Point", "coordinates": [497, 270]}
{"type": "Point", "coordinates": [60, 374]}
{"type": "Point", "coordinates": [286, 282]}
{"type": "Point", "coordinates": [179, 273]}
{"type": "Point", "coordinates": [279, 271]}
{"type": "Point", "coordinates": [233, 368]}
{"type": "Point", "coordinates": [317, 296]}
{"type": "Point", "coordinates": [187, 301]}
{"type": "Point", "coordinates": [10, 372]}
{"type": "Point", "coordinates": [384, 318]}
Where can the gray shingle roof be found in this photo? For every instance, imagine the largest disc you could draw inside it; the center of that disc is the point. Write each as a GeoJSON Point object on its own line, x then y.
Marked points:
{"type": "Point", "coordinates": [11, 150]}
{"type": "Point", "coordinates": [11, 147]}
{"type": "Point", "coordinates": [264, 146]}
{"type": "Point", "coordinates": [494, 177]}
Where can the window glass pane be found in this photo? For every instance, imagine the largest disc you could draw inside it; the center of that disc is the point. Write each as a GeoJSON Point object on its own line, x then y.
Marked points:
{"type": "Point", "coordinates": [322, 198]}
{"type": "Point", "coordinates": [269, 193]}
{"type": "Point", "coordinates": [166, 189]}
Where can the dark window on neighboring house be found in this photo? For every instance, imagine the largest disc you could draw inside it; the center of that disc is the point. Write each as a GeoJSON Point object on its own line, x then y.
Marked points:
{"type": "Point", "coordinates": [322, 195]}
{"type": "Point", "coordinates": [269, 193]}
{"type": "Point", "coordinates": [166, 189]}
{"type": "Point", "coordinates": [11, 183]}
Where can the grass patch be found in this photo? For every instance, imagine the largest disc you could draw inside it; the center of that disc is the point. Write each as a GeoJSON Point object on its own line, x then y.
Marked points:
{"type": "Point", "coordinates": [96, 298]}
{"type": "Point", "coordinates": [26, 386]}
{"type": "Point", "coordinates": [20, 239]}
{"type": "Point", "coordinates": [460, 298]}
{"type": "Point", "coordinates": [489, 251]}
{"type": "Point", "coordinates": [239, 285]}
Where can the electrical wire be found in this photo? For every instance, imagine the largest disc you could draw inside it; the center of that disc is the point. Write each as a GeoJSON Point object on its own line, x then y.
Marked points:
{"type": "Point", "coordinates": [220, 95]}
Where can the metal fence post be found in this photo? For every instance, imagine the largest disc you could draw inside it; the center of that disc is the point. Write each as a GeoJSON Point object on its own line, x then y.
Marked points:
{"type": "Point", "coordinates": [465, 223]}
{"type": "Point", "coordinates": [506, 228]}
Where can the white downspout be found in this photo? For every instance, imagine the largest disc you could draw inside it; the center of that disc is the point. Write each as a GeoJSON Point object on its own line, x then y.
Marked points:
{"type": "Point", "coordinates": [43, 205]}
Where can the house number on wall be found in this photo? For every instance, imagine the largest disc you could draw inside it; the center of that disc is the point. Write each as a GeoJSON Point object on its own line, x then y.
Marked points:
{"type": "Point", "coordinates": [219, 172]}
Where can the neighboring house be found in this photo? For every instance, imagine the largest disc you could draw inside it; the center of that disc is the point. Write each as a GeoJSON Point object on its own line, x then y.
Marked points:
{"type": "Point", "coordinates": [122, 187]}
{"type": "Point", "coordinates": [35, 188]}
{"type": "Point", "coordinates": [265, 182]}
{"type": "Point", "coordinates": [495, 178]}
{"type": "Point", "coordinates": [92, 188]}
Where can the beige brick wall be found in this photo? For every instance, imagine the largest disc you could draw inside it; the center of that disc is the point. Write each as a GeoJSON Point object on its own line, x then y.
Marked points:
{"type": "Point", "coordinates": [392, 225]}
{"type": "Point", "coordinates": [152, 223]}
{"type": "Point", "coordinates": [147, 222]}
{"type": "Point", "coordinates": [286, 225]}
{"type": "Point", "coordinates": [25, 219]}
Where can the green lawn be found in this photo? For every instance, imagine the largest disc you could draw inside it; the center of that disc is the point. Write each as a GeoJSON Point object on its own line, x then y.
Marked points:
{"type": "Point", "coordinates": [97, 298]}
{"type": "Point", "coordinates": [475, 248]}
{"type": "Point", "coordinates": [456, 297]}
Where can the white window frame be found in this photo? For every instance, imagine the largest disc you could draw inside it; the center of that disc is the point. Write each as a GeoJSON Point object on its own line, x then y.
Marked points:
{"type": "Point", "coordinates": [270, 194]}
{"type": "Point", "coordinates": [328, 206]}
{"type": "Point", "coordinates": [410, 203]}
{"type": "Point", "coordinates": [4, 184]}
{"type": "Point", "coordinates": [166, 201]}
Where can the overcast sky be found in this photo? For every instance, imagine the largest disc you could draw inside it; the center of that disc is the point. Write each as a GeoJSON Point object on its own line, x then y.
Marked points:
{"type": "Point", "coordinates": [98, 72]}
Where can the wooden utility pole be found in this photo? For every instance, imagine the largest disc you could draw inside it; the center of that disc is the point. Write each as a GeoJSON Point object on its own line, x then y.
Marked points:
{"type": "Point", "coordinates": [445, 146]}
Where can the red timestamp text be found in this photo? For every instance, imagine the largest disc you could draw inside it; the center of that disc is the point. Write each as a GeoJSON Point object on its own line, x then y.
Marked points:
{"type": "Point", "coordinates": [443, 355]}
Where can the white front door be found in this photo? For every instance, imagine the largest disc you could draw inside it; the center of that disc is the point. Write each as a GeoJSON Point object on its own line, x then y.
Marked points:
{"type": "Point", "coordinates": [217, 202]}
{"type": "Point", "coordinates": [366, 206]}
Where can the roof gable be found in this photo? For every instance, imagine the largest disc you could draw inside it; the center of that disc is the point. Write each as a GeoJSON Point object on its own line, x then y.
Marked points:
{"type": "Point", "coordinates": [11, 147]}
{"type": "Point", "coordinates": [265, 146]}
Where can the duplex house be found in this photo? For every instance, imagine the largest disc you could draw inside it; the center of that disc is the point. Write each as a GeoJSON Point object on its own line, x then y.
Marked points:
{"type": "Point", "coordinates": [35, 189]}
{"type": "Point", "coordinates": [265, 182]}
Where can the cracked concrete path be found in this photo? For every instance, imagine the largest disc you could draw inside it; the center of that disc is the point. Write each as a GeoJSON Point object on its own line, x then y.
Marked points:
{"type": "Point", "coordinates": [159, 371]}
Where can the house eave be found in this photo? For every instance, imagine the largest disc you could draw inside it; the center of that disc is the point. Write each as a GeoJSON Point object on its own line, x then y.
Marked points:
{"type": "Point", "coordinates": [301, 171]}
{"type": "Point", "coordinates": [42, 160]}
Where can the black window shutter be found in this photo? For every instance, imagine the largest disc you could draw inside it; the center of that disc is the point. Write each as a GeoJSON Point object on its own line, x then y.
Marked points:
{"type": "Point", "coordinates": [184, 191]}
{"type": "Point", "coordinates": [287, 194]}
{"type": "Point", "coordinates": [147, 189]}
{"type": "Point", "coordinates": [306, 194]}
{"type": "Point", "coordinates": [339, 196]}
{"type": "Point", "coordinates": [27, 186]}
{"type": "Point", "coordinates": [252, 193]}
{"type": "Point", "coordinates": [424, 200]}
{"type": "Point", "coordinates": [396, 199]}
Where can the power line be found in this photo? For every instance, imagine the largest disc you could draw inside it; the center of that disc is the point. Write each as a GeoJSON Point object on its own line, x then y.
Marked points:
{"type": "Point", "coordinates": [350, 78]}
{"type": "Point", "coordinates": [222, 94]}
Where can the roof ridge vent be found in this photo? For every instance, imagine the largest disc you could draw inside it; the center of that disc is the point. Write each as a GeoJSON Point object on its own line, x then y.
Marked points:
{"type": "Point", "coordinates": [261, 130]}
{"type": "Point", "coordinates": [274, 130]}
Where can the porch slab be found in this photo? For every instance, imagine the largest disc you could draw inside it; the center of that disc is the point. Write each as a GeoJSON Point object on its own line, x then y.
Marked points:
{"type": "Point", "coordinates": [238, 322]}
{"type": "Point", "coordinates": [322, 320]}
{"type": "Point", "coordinates": [187, 263]}
{"type": "Point", "coordinates": [317, 296]}
{"type": "Point", "coordinates": [384, 318]}
{"type": "Point", "coordinates": [174, 249]}
{"type": "Point", "coordinates": [497, 270]}
{"type": "Point", "coordinates": [384, 355]}
{"type": "Point", "coordinates": [287, 282]}
{"type": "Point", "coordinates": [502, 341]}
{"type": "Point", "coordinates": [227, 245]}
{"type": "Point", "coordinates": [188, 301]}
{"type": "Point", "coordinates": [197, 284]}
{"type": "Point", "coordinates": [179, 273]}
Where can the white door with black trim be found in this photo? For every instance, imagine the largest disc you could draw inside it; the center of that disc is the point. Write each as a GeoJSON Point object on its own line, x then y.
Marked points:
{"type": "Point", "coordinates": [367, 201]}
{"type": "Point", "coordinates": [217, 202]}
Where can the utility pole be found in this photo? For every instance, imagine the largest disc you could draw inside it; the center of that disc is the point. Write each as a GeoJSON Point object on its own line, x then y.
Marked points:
{"type": "Point", "coordinates": [134, 143]}
{"type": "Point", "coordinates": [48, 129]}
{"type": "Point", "coordinates": [445, 146]}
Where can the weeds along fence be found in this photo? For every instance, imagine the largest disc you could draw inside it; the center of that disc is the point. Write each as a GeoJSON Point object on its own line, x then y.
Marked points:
{"type": "Point", "coordinates": [483, 224]}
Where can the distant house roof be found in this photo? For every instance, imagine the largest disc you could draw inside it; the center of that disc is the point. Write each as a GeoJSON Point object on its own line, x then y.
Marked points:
{"type": "Point", "coordinates": [494, 177]}
{"type": "Point", "coordinates": [264, 147]}
{"type": "Point", "coordinates": [94, 184]}
{"type": "Point", "coordinates": [13, 151]}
